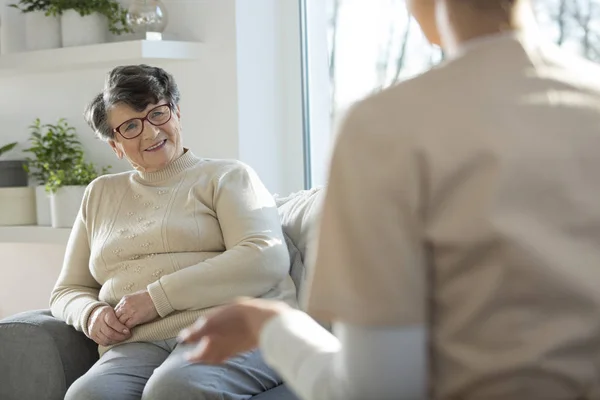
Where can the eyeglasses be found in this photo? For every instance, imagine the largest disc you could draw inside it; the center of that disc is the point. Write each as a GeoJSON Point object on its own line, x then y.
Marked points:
{"type": "Point", "coordinates": [134, 127]}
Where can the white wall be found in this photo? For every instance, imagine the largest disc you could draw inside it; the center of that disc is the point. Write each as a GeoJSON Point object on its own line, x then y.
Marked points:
{"type": "Point", "coordinates": [233, 99]}
{"type": "Point", "coordinates": [240, 101]}
{"type": "Point", "coordinates": [28, 275]}
{"type": "Point", "coordinates": [269, 91]}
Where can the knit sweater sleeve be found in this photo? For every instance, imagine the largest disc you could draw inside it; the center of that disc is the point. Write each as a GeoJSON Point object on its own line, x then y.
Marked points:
{"type": "Point", "coordinates": [75, 294]}
{"type": "Point", "coordinates": [256, 257]}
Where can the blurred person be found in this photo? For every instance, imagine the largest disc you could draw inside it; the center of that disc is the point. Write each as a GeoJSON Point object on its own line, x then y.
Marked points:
{"type": "Point", "coordinates": [459, 247]}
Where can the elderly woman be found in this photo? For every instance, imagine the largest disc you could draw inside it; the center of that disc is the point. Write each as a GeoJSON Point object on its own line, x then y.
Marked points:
{"type": "Point", "coordinates": [459, 251]}
{"type": "Point", "coordinates": [155, 248]}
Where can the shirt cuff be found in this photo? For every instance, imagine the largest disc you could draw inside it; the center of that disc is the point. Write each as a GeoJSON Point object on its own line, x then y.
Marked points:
{"type": "Point", "coordinates": [159, 298]}
{"type": "Point", "coordinates": [87, 312]}
{"type": "Point", "coordinates": [292, 336]}
{"type": "Point", "coordinates": [300, 350]}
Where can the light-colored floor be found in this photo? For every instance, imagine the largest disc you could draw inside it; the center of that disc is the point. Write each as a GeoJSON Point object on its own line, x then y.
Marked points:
{"type": "Point", "coordinates": [27, 274]}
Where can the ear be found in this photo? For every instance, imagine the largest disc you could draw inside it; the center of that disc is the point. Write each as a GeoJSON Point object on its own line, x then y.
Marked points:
{"type": "Point", "coordinates": [116, 148]}
{"type": "Point", "coordinates": [178, 111]}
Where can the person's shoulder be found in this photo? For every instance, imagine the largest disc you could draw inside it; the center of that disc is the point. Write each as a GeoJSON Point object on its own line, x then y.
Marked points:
{"type": "Point", "coordinates": [228, 173]}
{"type": "Point", "coordinates": [223, 166]}
{"type": "Point", "coordinates": [395, 120]}
{"type": "Point", "coordinates": [109, 181]}
{"type": "Point", "coordinates": [401, 93]}
{"type": "Point", "coordinates": [571, 68]}
{"type": "Point", "coordinates": [392, 113]}
{"type": "Point", "coordinates": [406, 99]}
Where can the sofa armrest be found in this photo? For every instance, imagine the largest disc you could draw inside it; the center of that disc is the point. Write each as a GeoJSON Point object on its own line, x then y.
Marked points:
{"type": "Point", "coordinates": [40, 356]}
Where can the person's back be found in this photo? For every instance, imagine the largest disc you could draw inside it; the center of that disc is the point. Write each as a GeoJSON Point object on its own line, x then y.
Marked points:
{"type": "Point", "coordinates": [509, 198]}
{"type": "Point", "coordinates": [460, 220]}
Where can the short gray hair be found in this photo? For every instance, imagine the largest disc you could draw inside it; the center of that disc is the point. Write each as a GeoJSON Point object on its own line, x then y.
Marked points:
{"type": "Point", "coordinates": [134, 85]}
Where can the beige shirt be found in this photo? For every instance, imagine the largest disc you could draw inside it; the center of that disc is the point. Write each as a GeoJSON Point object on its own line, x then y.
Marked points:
{"type": "Point", "coordinates": [466, 200]}
{"type": "Point", "coordinates": [196, 235]}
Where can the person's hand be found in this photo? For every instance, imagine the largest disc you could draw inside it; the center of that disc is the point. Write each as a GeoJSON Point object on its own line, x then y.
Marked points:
{"type": "Point", "coordinates": [231, 330]}
{"type": "Point", "coordinates": [104, 327]}
{"type": "Point", "coordinates": [136, 309]}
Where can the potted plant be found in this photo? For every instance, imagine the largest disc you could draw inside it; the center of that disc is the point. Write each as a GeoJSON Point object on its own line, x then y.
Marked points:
{"type": "Point", "coordinates": [42, 29]}
{"type": "Point", "coordinates": [17, 199]}
{"type": "Point", "coordinates": [53, 147]}
{"type": "Point", "coordinates": [85, 22]}
{"type": "Point", "coordinates": [66, 188]}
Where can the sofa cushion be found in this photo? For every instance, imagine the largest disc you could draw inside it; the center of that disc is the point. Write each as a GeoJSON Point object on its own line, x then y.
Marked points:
{"type": "Point", "coordinates": [298, 213]}
{"type": "Point", "coordinates": [297, 269]}
{"type": "Point", "coordinates": [41, 356]}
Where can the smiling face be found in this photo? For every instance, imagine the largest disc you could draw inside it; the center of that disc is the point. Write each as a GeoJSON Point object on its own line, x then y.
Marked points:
{"type": "Point", "coordinates": [157, 146]}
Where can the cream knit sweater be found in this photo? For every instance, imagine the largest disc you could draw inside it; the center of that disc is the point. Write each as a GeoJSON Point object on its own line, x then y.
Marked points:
{"type": "Point", "coordinates": [196, 235]}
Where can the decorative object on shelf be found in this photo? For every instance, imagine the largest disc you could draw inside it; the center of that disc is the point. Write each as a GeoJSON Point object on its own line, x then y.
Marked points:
{"type": "Point", "coordinates": [12, 172]}
{"type": "Point", "coordinates": [52, 147]}
{"type": "Point", "coordinates": [148, 18]}
{"type": "Point", "coordinates": [42, 30]}
{"type": "Point", "coordinates": [67, 187]}
{"type": "Point", "coordinates": [18, 200]}
{"type": "Point", "coordinates": [12, 30]}
{"type": "Point", "coordinates": [86, 22]}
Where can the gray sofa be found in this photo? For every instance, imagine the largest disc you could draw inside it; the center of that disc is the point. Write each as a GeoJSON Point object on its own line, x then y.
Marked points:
{"type": "Point", "coordinates": [40, 356]}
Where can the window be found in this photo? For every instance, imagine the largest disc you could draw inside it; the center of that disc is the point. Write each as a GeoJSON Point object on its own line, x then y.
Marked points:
{"type": "Point", "coordinates": [572, 24]}
{"type": "Point", "coordinates": [372, 44]}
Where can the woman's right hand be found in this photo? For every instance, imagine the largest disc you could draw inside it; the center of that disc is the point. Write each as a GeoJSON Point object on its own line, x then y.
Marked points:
{"type": "Point", "coordinates": [104, 327]}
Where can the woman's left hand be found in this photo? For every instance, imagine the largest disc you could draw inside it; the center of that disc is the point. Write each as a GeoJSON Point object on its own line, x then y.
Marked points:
{"type": "Point", "coordinates": [231, 330]}
{"type": "Point", "coordinates": [136, 309]}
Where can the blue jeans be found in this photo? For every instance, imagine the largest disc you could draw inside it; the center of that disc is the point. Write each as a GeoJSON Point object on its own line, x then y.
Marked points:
{"type": "Point", "coordinates": [159, 371]}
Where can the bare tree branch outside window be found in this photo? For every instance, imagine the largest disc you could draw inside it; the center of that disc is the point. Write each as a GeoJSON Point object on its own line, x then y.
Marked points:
{"type": "Point", "coordinates": [402, 52]}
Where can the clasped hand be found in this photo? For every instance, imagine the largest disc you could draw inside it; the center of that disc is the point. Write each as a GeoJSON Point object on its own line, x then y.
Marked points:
{"type": "Point", "coordinates": [108, 326]}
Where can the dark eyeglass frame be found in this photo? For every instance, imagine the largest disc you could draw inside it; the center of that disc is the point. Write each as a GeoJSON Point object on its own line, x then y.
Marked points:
{"type": "Point", "coordinates": [118, 128]}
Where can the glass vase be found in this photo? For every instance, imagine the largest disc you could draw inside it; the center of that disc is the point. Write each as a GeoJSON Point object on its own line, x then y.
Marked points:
{"type": "Point", "coordinates": [148, 17]}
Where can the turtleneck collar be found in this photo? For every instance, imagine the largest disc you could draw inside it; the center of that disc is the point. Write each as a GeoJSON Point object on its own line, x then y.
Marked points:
{"type": "Point", "coordinates": [187, 160]}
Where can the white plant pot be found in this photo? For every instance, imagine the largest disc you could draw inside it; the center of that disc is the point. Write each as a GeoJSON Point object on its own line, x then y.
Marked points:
{"type": "Point", "coordinates": [42, 206]}
{"type": "Point", "coordinates": [65, 205]}
{"type": "Point", "coordinates": [83, 31]}
{"type": "Point", "coordinates": [18, 206]}
{"type": "Point", "coordinates": [12, 30]}
{"type": "Point", "coordinates": [42, 32]}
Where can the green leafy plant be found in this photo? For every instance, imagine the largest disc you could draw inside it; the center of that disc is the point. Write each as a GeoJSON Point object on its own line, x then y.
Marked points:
{"type": "Point", "coordinates": [7, 148]}
{"type": "Point", "coordinates": [27, 6]}
{"type": "Point", "coordinates": [80, 174]}
{"type": "Point", "coordinates": [111, 9]}
{"type": "Point", "coordinates": [54, 147]}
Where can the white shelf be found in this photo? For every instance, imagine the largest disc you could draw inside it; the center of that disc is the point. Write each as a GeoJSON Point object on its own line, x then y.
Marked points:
{"type": "Point", "coordinates": [34, 234]}
{"type": "Point", "coordinates": [99, 55]}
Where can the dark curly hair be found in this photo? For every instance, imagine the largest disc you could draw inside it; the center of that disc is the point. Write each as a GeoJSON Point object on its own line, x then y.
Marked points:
{"type": "Point", "coordinates": [134, 85]}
